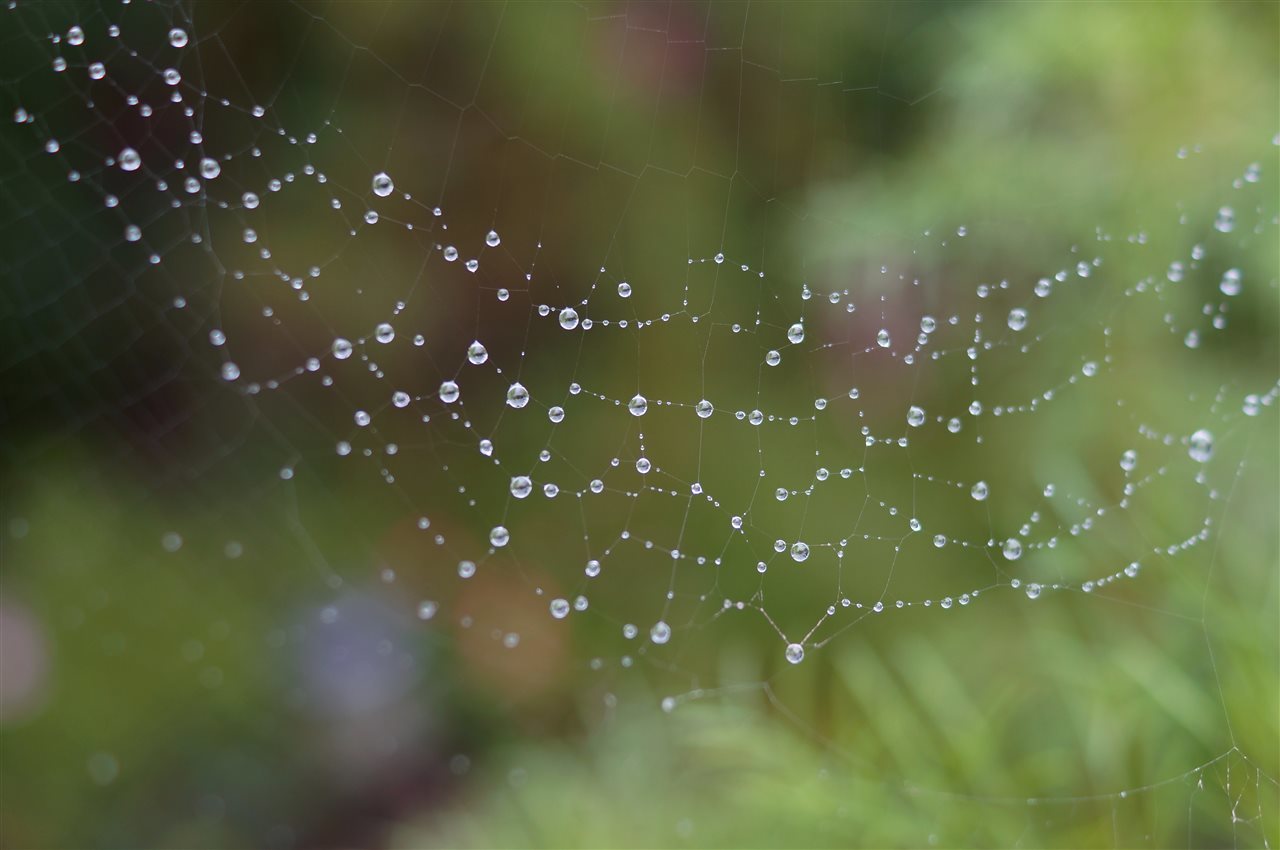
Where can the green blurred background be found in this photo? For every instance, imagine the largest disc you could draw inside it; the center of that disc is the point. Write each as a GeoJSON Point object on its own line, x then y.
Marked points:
{"type": "Point", "coordinates": [263, 678]}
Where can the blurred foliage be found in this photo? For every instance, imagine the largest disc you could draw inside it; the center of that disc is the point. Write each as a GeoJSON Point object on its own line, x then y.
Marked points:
{"type": "Point", "coordinates": [267, 685]}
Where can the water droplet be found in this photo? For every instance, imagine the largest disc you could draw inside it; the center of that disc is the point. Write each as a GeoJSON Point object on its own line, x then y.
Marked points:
{"type": "Point", "coordinates": [382, 184]}
{"type": "Point", "coordinates": [1017, 319]}
{"type": "Point", "coordinates": [979, 491]}
{"type": "Point", "coordinates": [517, 396]}
{"type": "Point", "coordinates": [177, 37]}
{"type": "Point", "coordinates": [882, 338]}
{"type": "Point", "coordinates": [559, 608]}
{"type": "Point", "coordinates": [795, 653]}
{"type": "Point", "coordinates": [1226, 220]}
{"type": "Point", "coordinates": [1230, 284]}
{"type": "Point", "coordinates": [209, 168]}
{"type": "Point", "coordinates": [915, 416]}
{"type": "Point", "coordinates": [492, 239]}
{"type": "Point", "coordinates": [477, 353]}
{"type": "Point", "coordinates": [521, 486]}
{"type": "Point", "coordinates": [449, 392]}
{"type": "Point", "coordinates": [660, 633]}
{"type": "Point", "coordinates": [1033, 590]}
{"type": "Point", "coordinates": [499, 536]}
{"type": "Point", "coordinates": [704, 409]}
{"type": "Point", "coordinates": [129, 160]}
{"type": "Point", "coordinates": [638, 405]}
{"type": "Point", "coordinates": [624, 290]}
{"type": "Point", "coordinates": [568, 318]}
{"type": "Point", "coordinates": [795, 334]}
{"type": "Point", "coordinates": [1200, 446]}
{"type": "Point", "coordinates": [1012, 549]}
{"type": "Point", "coordinates": [1128, 460]}
{"type": "Point", "coordinates": [799, 551]}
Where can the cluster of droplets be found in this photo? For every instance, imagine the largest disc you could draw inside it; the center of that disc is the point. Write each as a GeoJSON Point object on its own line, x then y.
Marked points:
{"type": "Point", "coordinates": [578, 317]}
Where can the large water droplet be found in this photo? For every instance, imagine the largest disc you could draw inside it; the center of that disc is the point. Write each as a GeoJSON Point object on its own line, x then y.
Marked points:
{"type": "Point", "coordinates": [129, 160]}
{"type": "Point", "coordinates": [517, 395]}
{"type": "Point", "coordinates": [1200, 446]}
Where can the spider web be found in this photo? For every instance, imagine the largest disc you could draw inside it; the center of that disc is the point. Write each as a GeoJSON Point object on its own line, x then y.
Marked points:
{"type": "Point", "coordinates": [561, 350]}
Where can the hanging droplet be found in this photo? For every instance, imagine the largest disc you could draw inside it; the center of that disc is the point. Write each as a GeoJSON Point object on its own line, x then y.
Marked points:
{"type": "Point", "coordinates": [521, 486]}
{"type": "Point", "coordinates": [177, 37]}
{"type": "Point", "coordinates": [638, 405]}
{"type": "Point", "coordinates": [1017, 319]}
{"type": "Point", "coordinates": [449, 392]}
{"type": "Point", "coordinates": [1200, 446]}
{"type": "Point", "coordinates": [704, 409]}
{"type": "Point", "coordinates": [1230, 284]}
{"type": "Point", "coordinates": [517, 396]}
{"type": "Point", "coordinates": [979, 491]}
{"type": "Point", "coordinates": [795, 334]}
{"type": "Point", "coordinates": [129, 160]}
{"type": "Point", "coordinates": [499, 536]}
{"type": "Point", "coordinates": [382, 184]}
{"type": "Point", "coordinates": [1012, 549]}
{"type": "Point", "coordinates": [477, 353]}
{"type": "Point", "coordinates": [568, 318]}
{"type": "Point", "coordinates": [915, 416]}
{"type": "Point", "coordinates": [799, 551]}
{"type": "Point", "coordinates": [660, 633]}
{"type": "Point", "coordinates": [795, 653]}
{"type": "Point", "coordinates": [1226, 220]}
